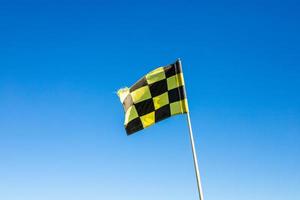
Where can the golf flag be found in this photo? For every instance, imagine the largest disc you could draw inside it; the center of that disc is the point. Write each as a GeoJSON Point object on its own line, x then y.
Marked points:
{"type": "Point", "coordinates": [156, 96]}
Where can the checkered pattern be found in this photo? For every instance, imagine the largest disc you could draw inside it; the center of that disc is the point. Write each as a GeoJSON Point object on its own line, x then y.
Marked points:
{"type": "Point", "coordinates": [157, 96]}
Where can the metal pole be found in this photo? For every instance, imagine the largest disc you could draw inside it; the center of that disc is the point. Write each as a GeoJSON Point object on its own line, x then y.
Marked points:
{"type": "Point", "coordinates": [195, 158]}
{"type": "Point", "coordinates": [200, 192]}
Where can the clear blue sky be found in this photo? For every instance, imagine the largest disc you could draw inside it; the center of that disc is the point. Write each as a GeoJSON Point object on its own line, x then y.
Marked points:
{"type": "Point", "coordinates": [61, 123]}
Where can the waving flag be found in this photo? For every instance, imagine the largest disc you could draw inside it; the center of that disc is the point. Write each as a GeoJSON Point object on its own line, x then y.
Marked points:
{"type": "Point", "coordinates": [156, 96]}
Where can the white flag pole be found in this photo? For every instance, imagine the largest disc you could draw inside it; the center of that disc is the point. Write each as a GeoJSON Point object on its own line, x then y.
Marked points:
{"type": "Point", "coordinates": [193, 148]}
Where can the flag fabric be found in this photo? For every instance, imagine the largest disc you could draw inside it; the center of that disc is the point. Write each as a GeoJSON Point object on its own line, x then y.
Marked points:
{"type": "Point", "coordinates": [156, 96]}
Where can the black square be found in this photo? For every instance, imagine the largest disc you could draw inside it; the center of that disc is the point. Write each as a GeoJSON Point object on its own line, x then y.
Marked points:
{"type": "Point", "coordinates": [173, 69]}
{"type": "Point", "coordinates": [158, 87]}
{"type": "Point", "coordinates": [134, 126]}
{"type": "Point", "coordinates": [162, 113]}
{"type": "Point", "coordinates": [127, 102]}
{"type": "Point", "coordinates": [177, 67]}
{"type": "Point", "coordinates": [176, 94]}
{"type": "Point", "coordinates": [142, 82]}
{"type": "Point", "coordinates": [170, 70]}
{"type": "Point", "coordinates": [144, 107]}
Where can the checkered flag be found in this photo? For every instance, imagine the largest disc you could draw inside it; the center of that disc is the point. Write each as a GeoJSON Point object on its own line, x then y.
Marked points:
{"type": "Point", "coordinates": [156, 96]}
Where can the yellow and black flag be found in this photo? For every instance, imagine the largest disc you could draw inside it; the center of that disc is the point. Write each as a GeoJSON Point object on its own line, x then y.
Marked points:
{"type": "Point", "coordinates": [156, 96]}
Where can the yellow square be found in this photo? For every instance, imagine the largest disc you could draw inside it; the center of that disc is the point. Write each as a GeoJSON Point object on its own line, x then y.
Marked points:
{"type": "Point", "coordinates": [141, 94]}
{"type": "Point", "coordinates": [175, 81]}
{"type": "Point", "coordinates": [155, 75]}
{"type": "Point", "coordinates": [179, 107]}
{"type": "Point", "coordinates": [148, 120]}
{"type": "Point", "coordinates": [161, 100]}
{"type": "Point", "coordinates": [130, 114]}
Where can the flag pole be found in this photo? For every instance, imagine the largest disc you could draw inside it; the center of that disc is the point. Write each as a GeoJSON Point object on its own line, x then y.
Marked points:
{"type": "Point", "coordinates": [200, 192]}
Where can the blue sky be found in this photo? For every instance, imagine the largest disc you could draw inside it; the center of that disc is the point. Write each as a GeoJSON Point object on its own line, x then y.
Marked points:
{"type": "Point", "coordinates": [61, 123]}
